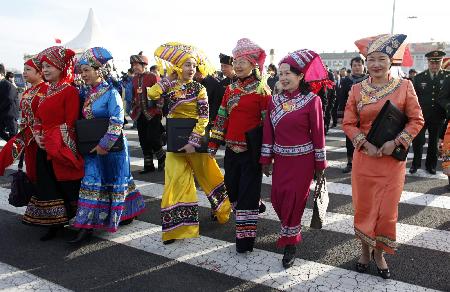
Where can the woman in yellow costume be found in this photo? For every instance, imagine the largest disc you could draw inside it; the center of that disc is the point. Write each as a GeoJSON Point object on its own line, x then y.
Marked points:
{"type": "Point", "coordinates": [187, 98]}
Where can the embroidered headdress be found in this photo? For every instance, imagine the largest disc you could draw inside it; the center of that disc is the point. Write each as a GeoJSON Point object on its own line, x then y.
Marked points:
{"type": "Point", "coordinates": [95, 57]}
{"type": "Point", "coordinates": [252, 52]}
{"type": "Point", "coordinates": [62, 59]}
{"type": "Point", "coordinates": [391, 45]}
{"type": "Point", "coordinates": [172, 56]}
{"type": "Point", "coordinates": [310, 64]}
{"type": "Point", "coordinates": [139, 58]}
{"type": "Point", "coordinates": [35, 63]}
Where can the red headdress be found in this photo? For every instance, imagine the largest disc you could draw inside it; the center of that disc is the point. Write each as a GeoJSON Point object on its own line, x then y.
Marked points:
{"type": "Point", "coordinates": [252, 52]}
{"type": "Point", "coordinates": [62, 59]}
{"type": "Point", "coordinates": [310, 64]}
{"type": "Point", "coordinates": [35, 63]}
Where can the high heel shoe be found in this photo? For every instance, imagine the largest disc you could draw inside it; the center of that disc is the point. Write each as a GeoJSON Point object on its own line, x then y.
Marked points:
{"type": "Point", "coordinates": [127, 221]}
{"type": "Point", "coordinates": [51, 233]}
{"type": "Point", "coordinates": [83, 234]}
{"type": "Point", "coordinates": [362, 268]}
{"type": "Point", "coordinates": [289, 256]}
{"type": "Point", "coordinates": [383, 273]}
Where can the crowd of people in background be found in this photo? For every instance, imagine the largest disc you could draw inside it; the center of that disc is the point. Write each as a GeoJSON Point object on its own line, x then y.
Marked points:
{"type": "Point", "coordinates": [294, 106]}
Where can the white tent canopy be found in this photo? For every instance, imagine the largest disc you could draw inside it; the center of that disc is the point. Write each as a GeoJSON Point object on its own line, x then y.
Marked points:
{"type": "Point", "coordinates": [90, 36]}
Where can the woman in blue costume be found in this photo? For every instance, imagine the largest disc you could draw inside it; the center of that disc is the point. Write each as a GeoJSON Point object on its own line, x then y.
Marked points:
{"type": "Point", "coordinates": [108, 195]}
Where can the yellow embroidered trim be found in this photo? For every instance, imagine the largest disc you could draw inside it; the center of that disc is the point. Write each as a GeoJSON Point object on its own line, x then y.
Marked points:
{"type": "Point", "coordinates": [370, 241]}
{"type": "Point", "coordinates": [359, 140]}
{"type": "Point", "coordinates": [387, 241]}
{"type": "Point", "coordinates": [405, 136]}
{"type": "Point", "coordinates": [371, 94]}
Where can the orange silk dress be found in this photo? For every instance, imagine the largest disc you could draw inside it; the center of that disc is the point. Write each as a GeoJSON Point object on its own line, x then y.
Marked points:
{"type": "Point", "coordinates": [377, 182]}
{"type": "Point", "coordinates": [446, 152]}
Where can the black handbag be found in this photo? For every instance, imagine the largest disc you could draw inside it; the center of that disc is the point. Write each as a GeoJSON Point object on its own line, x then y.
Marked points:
{"type": "Point", "coordinates": [90, 131]}
{"type": "Point", "coordinates": [178, 132]}
{"type": "Point", "coordinates": [321, 200]}
{"type": "Point", "coordinates": [22, 189]}
{"type": "Point", "coordinates": [254, 142]}
{"type": "Point", "coordinates": [389, 122]}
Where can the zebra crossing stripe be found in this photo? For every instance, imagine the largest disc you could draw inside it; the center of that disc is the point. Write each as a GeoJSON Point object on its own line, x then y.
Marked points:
{"type": "Point", "coordinates": [413, 235]}
{"type": "Point", "coordinates": [13, 279]}
{"type": "Point", "coordinates": [260, 266]}
{"type": "Point", "coordinates": [411, 198]}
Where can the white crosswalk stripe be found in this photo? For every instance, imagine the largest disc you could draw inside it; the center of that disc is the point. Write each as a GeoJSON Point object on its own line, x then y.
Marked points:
{"type": "Point", "coordinates": [13, 279]}
{"type": "Point", "coordinates": [260, 266]}
{"type": "Point", "coordinates": [412, 198]}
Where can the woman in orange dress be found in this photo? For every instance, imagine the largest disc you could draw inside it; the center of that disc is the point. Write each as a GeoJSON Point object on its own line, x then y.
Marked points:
{"type": "Point", "coordinates": [377, 177]}
{"type": "Point", "coordinates": [446, 155]}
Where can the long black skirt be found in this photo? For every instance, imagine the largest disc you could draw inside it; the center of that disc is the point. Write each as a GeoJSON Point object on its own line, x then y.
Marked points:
{"type": "Point", "coordinates": [243, 179]}
{"type": "Point", "coordinates": [55, 202]}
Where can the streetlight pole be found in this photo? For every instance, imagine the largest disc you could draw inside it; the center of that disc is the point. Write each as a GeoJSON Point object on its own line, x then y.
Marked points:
{"type": "Point", "coordinates": [393, 17]}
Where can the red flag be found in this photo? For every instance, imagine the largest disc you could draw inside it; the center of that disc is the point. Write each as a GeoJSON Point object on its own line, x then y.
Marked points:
{"type": "Point", "coordinates": [446, 63]}
{"type": "Point", "coordinates": [407, 58]}
{"type": "Point", "coordinates": [58, 41]}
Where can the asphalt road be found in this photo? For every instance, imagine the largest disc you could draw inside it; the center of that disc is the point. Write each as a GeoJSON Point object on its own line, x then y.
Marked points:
{"type": "Point", "coordinates": [134, 259]}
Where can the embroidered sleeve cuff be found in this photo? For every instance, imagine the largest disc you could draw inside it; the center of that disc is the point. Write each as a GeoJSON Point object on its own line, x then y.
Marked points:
{"type": "Point", "coordinates": [359, 140]}
{"type": "Point", "coordinates": [212, 148]}
{"type": "Point", "coordinates": [404, 138]}
{"type": "Point", "coordinates": [112, 134]}
{"type": "Point", "coordinates": [217, 135]}
{"type": "Point", "coordinates": [320, 154]}
{"type": "Point", "coordinates": [165, 84]}
{"type": "Point", "coordinates": [266, 150]}
{"type": "Point", "coordinates": [195, 139]}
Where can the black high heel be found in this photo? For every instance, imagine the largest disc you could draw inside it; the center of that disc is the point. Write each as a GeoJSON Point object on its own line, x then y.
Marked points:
{"type": "Point", "coordinates": [170, 241]}
{"type": "Point", "coordinates": [51, 233]}
{"type": "Point", "coordinates": [289, 256]}
{"type": "Point", "coordinates": [262, 207]}
{"type": "Point", "coordinates": [362, 268]}
{"type": "Point", "coordinates": [383, 273]}
{"type": "Point", "coordinates": [83, 235]}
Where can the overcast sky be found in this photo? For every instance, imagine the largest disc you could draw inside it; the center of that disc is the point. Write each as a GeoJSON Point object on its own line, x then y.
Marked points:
{"type": "Point", "coordinates": [28, 26]}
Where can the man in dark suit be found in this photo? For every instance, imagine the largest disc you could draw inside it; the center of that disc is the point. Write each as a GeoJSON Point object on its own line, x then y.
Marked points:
{"type": "Point", "coordinates": [357, 75]}
{"type": "Point", "coordinates": [226, 66]}
{"type": "Point", "coordinates": [9, 109]}
{"type": "Point", "coordinates": [428, 85]}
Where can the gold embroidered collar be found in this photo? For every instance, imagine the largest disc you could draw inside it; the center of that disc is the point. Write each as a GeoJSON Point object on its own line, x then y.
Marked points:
{"type": "Point", "coordinates": [371, 94]}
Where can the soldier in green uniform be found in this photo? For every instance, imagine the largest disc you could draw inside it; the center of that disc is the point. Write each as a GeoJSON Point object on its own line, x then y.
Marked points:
{"type": "Point", "coordinates": [428, 85]}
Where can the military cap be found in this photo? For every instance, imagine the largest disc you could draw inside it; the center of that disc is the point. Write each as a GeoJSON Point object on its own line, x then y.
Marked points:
{"type": "Point", "coordinates": [435, 56]}
{"type": "Point", "coordinates": [224, 59]}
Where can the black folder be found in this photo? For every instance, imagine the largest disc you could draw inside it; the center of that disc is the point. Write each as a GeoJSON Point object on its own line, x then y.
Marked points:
{"type": "Point", "coordinates": [90, 131]}
{"type": "Point", "coordinates": [178, 132]}
{"type": "Point", "coordinates": [389, 122]}
{"type": "Point", "coordinates": [254, 138]}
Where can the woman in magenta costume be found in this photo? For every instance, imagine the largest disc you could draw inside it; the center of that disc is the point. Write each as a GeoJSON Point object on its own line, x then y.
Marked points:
{"type": "Point", "coordinates": [294, 142]}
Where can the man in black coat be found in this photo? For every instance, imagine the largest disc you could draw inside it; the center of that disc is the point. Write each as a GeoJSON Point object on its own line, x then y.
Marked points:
{"type": "Point", "coordinates": [357, 75]}
{"type": "Point", "coordinates": [9, 109]}
{"type": "Point", "coordinates": [331, 101]}
{"type": "Point", "coordinates": [428, 85]}
{"type": "Point", "coordinates": [213, 90]}
{"type": "Point", "coordinates": [226, 66]}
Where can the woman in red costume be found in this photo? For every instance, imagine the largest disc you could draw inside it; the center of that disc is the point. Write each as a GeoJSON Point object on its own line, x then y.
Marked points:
{"type": "Point", "coordinates": [59, 167]}
{"type": "Point", "coordinates": [23, 143]}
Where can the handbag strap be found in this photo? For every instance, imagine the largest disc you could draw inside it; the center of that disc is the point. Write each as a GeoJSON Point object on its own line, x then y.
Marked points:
{"type": "Point", "coordinates": [20, 166]}
{"type": "Point", "coordinates": [319, 185]}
